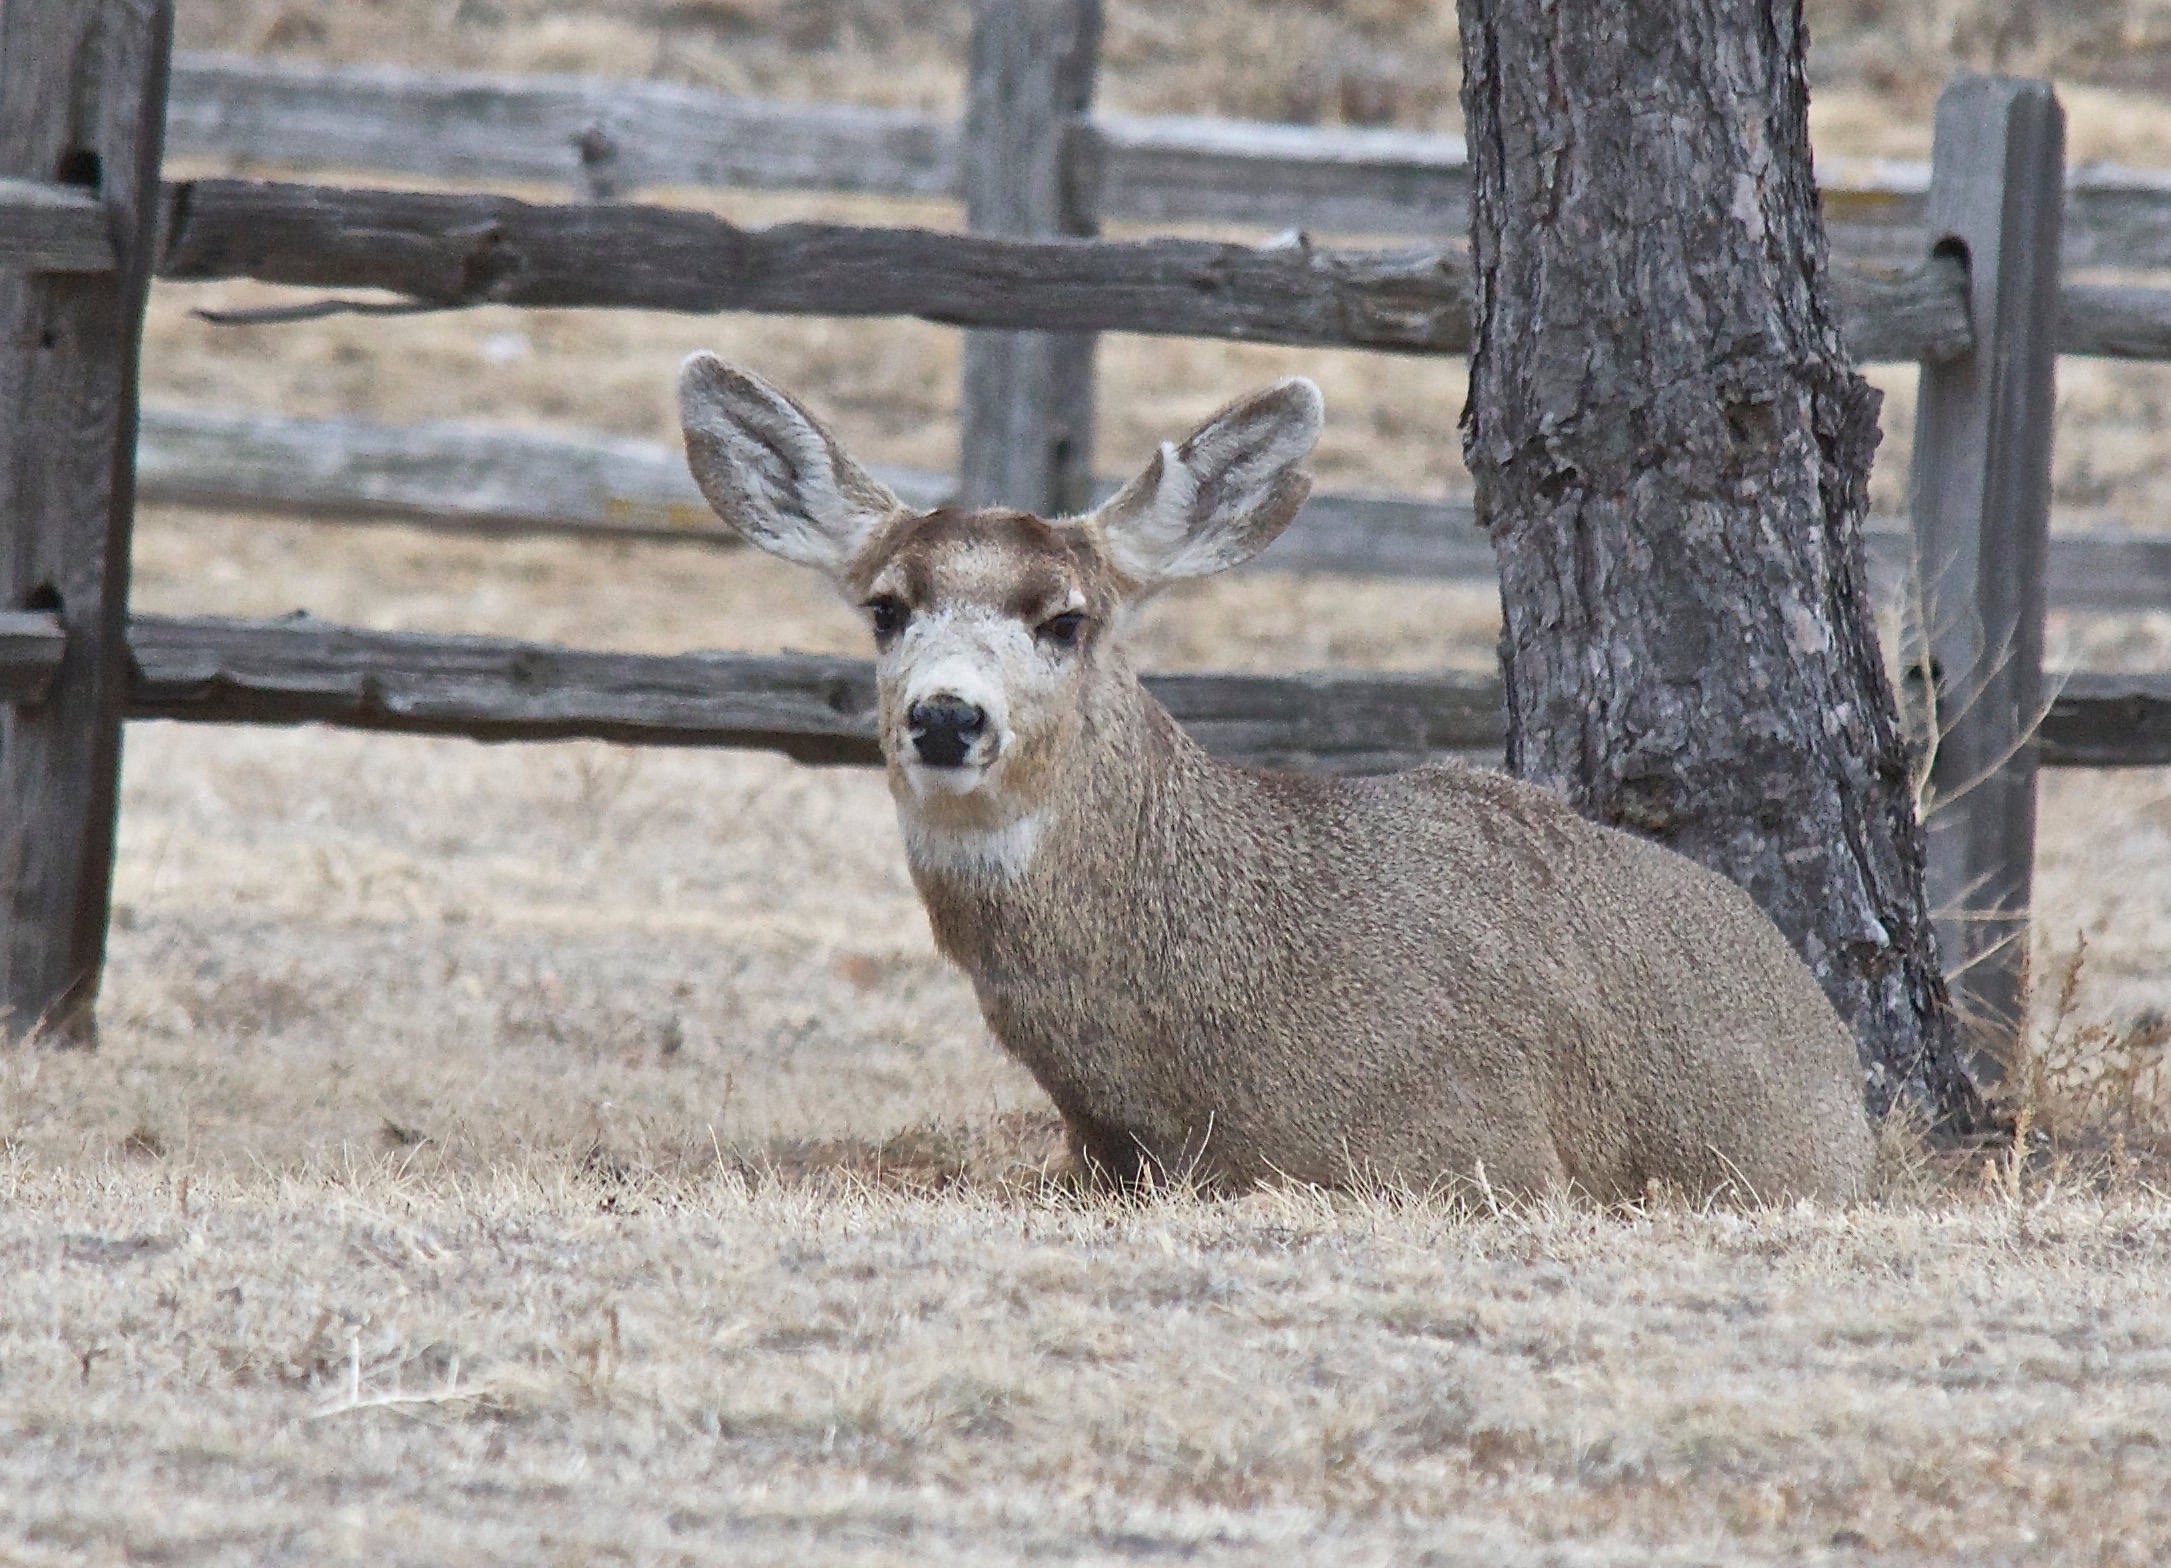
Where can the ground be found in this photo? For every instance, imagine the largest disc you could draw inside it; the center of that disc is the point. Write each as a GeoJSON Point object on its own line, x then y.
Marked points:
{"type": "Point", "coordinates": [562, 1365]}
{"type": "Point", "coordinates": [564, 1153]}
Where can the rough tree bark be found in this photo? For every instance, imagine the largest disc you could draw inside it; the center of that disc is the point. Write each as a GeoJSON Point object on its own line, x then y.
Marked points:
{"type": "Point", "coordinates": [1672, 453]}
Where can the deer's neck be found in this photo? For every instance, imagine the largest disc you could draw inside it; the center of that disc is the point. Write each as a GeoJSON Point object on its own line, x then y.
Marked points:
{"type": "Point", "coordinates": [973, 858]}
{"type": "Point", "coordinates": [1098, 823]}
{"type": "Point", "coordinates": [1101, 928]}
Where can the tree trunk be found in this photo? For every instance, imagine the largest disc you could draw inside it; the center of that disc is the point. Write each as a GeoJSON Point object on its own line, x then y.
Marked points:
{"type": "Point", "coordinates": [1672, 454]}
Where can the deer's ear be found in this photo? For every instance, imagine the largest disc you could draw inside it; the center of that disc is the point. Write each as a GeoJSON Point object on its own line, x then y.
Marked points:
{"type": "Point", "coordinates": [771, 471]}
{"type": "Point", "coordinates": [1219, 496]}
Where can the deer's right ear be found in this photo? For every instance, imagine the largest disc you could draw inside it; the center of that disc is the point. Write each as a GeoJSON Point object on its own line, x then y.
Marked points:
{"type": "Point", "coordinates": [771, 471]}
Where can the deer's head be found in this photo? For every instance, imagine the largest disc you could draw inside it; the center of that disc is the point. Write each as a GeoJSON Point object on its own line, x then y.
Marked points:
{"type": "Point", "coordinates": [993, 627]}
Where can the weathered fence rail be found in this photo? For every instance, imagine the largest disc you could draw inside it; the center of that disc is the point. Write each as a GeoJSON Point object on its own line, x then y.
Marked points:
{"type": "Point", "coordinates": [816, 709]}
{"type": "Point", "coordinates": [299, 670]}
{"type": "Point", "coordinates": [32, 644]}
{"type": "Point", "coordinates": [53, 228]}
{"type": "Point", "coordinates": [476, 478]}
{"type": "Point", "coordinates": [481, 479]}
{"type": "Point", "coordinates": [452, 250]}
{"type": "Point", "coordinates": [610, 138]}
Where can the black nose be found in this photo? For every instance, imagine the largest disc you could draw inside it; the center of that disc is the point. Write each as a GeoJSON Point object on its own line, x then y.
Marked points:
{"type": "Point", "coordinates": [944, 728]}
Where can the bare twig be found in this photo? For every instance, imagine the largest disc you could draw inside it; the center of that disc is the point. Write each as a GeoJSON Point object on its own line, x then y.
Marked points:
{"type": "Point", "coordinates": [320, 309]}
{"type": "Point", "coordinates": [396, 1398]}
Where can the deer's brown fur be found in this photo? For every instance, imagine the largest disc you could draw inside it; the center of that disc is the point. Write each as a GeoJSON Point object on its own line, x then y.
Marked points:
{"type": "Point", "coordinates": [1233, 975]}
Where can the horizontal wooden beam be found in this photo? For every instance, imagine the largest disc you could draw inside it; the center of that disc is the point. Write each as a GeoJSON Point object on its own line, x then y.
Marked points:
{"type": "Point", "coordinates": [480, 479]}
{"type": "Point", "coordinates": [303, 671]}
{"type": "Point", "coordinates": [2107, 721]}
{"type": "Point", "coordinates": [822, 710]}
{"type": "Point", "coordinates": [1334, 180]}
{"type": "Point", "coordinates": [469, 250]}
{"type": "Point", "coordinates": [2093, 571]}
{"type": "Point", "coordinates": [813, 708]}
{"type": "Point", "coordinates": [447, 251]}
{"type": "Point", "coordinates": [53, 228]}
{"type": "Point", "coordinates": [1877, 209]}
{"type": "Point", "coordinates": [597, 136]}
{"type": "Point", "coordinates": [2116, 219]}
{"type": "Point", "coordinates": [603, 137]}
{"type": "Point", "coordinates": [470, 478]}
{"type": "Point", "coordinates": [2113, 321]}
{"type": "Point", "coordinates": [31, 643]}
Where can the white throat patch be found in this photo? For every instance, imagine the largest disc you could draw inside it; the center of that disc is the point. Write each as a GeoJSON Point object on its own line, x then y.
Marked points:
{"type": "Point", "coordinates": [988, 855]}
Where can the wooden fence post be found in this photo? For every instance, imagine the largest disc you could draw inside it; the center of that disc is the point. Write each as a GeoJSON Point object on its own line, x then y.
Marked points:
{"type": "Point", "coordinates": [1981, 515]}
{"type": "Point", "coordinates": [1027, 421]}
{"type": "Point", "coordinates": [82, 115]}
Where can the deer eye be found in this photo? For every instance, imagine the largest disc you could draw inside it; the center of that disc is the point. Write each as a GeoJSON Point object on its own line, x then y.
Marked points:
{"type": "Point", "coordinates": [888, 613]}
{"type": "Point", "coordinates": [1061, 630]}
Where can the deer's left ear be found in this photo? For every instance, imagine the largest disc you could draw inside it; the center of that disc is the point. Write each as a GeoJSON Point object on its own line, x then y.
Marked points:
{"type": "Point", "coordinates": [1221, 495]}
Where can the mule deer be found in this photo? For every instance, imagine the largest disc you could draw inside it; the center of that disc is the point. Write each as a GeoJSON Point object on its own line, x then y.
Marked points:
{"type": "Point", "coordinates": [1236, 975]}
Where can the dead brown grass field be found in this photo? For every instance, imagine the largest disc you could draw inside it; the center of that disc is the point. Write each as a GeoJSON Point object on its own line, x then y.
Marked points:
{"type": "Point", "coordinates": [564, 1153]}
{"type": "Point", "coordinates": [544, 1363]}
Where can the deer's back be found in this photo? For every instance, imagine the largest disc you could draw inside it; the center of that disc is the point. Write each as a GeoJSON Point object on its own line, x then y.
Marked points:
{"type": "Point", "coordinates": [1668, 1029]}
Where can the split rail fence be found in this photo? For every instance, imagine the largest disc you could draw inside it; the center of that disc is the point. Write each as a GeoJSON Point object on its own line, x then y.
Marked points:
{"type": "Point", "coordinates": [1957, 268]}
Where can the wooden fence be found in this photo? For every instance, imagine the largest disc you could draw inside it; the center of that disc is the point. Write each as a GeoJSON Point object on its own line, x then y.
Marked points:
{"type": "Point", "coordinates": [84, 223]}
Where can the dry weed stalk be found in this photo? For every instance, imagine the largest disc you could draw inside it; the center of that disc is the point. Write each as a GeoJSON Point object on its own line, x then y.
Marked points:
{"type": "Point", "coordinates": [396, 1398]}
{"type": "Point", "coordinates": [1928, 707]}
{"type": "Point", "coordinates": [1930, 702]}
{"type": "Point", "coordinates": [2092, 1086]}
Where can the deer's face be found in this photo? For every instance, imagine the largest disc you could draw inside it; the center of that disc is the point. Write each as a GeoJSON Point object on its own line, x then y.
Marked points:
{"type": "Point", "coordinates": [987, 627]}
{"type": "Point", "coordinates": [991, 626]}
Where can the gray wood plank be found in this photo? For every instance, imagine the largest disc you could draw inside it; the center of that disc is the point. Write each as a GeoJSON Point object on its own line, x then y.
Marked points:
{"type": "Point", "coordinates": [471, 478]}
{"type": "Point", "coordinates": [2114, 321]}
{"type": "Point", "coordinates": [82, 98]}
{"type": "Point", "coordinates": [1025, 434]}
{"type": "Point", "coordinates": [821, 709]}
{"type": "Point", "coordinates": [481, 479]}
{"type": "Point", "coordinates": [813, 708]}
{"type": "Point", "coordinates": [2115, 218]}
{"type": "Point", "coordinates": [2101, 571]}
{"type": "Point", "coordinates": [52, 228]}
{"type": "Point", "coordinates": [1982, 509]}
{"type": "Point", "coordinates": [2107, 721]}
{"type": "Point", "coordinates": [301, 670]}
{"type": "Point", "coordinates": [453, 250]}
{"type": "Point", "coordinates": [600, 137]}
{"type": "Point", "coordinates": [31, 645]}
{"type": "Point", "coordinates": [612, 138]}
{"type": "Point", "coordinates": [1332, 180]}
{"type": "Point", "coordinates": [1902, 314]}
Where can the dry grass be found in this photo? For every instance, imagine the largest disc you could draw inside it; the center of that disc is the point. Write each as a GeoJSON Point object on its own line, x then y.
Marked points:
{"type": "Point", "coordinates": [562, 1153]}
{"type": "Point", "coordinates": [342, 1363]}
